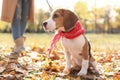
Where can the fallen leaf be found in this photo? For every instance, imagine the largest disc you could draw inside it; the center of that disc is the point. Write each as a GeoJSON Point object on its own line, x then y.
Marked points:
{"type": "Point", "coordinates": [44, 76]}
{"type": "Point", "coordinates": [115, 77]}
{"type": "Point", "coordinates": [2, 69]}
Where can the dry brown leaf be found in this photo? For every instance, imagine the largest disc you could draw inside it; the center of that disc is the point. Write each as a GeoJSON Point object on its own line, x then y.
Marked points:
{"type": "Point", "coordinates": [12, 72]}
{"type": "Point", "coordinates": [41, 57]}
{"type": "Point", "coordinates": [115, 77]}
{"type": "Point", "coordinates": [45, 76]}
{"type": "Point", "coordinates": [23, 53]}
{"type": "Point", "coordinates": [55, 67]}
{"type": "Point", "coordinates": [55, 55]}
{"type": "Point", "coordinates": [2, 63]}
{"type": "Point", "coordinates": [38, 49]}
{"type": "Point", "coordinates": [109, 58]}
{"type": "Point", "coordinates": [2, 69]}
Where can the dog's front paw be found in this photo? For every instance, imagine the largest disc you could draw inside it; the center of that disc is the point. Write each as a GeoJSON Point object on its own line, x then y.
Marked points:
{"type": "Point", "coordinates": [82, 73]}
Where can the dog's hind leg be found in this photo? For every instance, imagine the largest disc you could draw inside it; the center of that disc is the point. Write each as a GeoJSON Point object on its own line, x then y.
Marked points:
{"type": "Point", "coordinates": [92, 60]}
{"type": "Point", "coordinates": [85, 60]}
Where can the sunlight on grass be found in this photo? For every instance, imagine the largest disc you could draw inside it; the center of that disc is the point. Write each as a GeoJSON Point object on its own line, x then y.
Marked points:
{"type": "Point", "coordinates": [42, 39]}
{"type": "Point", "coordinates": [104, 41]}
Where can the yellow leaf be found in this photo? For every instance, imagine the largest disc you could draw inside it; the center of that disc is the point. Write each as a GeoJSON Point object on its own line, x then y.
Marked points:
{"type": "Point", "coordinates": [45, 76]}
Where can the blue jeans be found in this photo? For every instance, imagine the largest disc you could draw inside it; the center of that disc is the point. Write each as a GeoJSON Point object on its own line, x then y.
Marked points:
{"type": "Point", "coordinates": [20, 18]}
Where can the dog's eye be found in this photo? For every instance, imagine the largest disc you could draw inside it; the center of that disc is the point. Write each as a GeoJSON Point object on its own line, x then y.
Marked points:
{"type": "Point", "coordinates": [55, 16]}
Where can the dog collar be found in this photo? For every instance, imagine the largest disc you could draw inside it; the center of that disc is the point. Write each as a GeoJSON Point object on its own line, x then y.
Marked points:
{"type": "Point", "coordinates": [75, 32]}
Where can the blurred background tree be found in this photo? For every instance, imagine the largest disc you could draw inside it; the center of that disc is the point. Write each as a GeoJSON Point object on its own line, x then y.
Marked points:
{"type": "Point", "coordinates": [40, 16]}
{"type": "Point", "coordinates": [81, 9]}
{"type": "Point", "coordinates": [116, 26]}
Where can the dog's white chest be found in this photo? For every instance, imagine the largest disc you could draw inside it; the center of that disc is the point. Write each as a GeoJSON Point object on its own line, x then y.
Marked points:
{"type": "Point", "coordinates": [74, 46]}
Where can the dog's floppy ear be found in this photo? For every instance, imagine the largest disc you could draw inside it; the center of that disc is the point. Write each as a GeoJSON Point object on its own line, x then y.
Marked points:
{"type": "Point", "coordinates": [69, 19]}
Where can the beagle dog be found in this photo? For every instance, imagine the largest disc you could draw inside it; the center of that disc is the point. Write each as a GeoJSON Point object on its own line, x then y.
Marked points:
{"type": "Point", "coordinates": [77, 49]}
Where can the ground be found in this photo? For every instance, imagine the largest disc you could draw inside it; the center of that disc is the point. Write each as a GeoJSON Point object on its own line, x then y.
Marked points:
{"type": "Point", "coordinates": [34, 64]}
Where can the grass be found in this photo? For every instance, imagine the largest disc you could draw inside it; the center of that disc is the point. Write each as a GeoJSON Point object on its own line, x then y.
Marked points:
{"type": "Point", "coordinates": [32, 39]}
{"type": "Point", "coordinates": [104, 41]}
{"type": "Point", "coordinates": [98, 41]}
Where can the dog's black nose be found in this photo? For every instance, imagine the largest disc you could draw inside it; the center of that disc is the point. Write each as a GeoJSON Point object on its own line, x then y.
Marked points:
{"type": "Point", "coordinates": [44, 24]}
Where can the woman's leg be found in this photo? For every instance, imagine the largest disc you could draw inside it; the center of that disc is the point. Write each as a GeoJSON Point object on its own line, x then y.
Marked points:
{"type": "Point", "coordinates": [24, 15]}
{"type": "Point", "coordinates": [16, 29]}
{"type": "Point", "coordinates": [16, 21]}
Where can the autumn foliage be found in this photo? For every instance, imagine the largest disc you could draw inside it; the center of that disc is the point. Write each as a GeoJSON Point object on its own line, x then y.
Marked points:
{"type": "Point", "coordinates": [34, 64]}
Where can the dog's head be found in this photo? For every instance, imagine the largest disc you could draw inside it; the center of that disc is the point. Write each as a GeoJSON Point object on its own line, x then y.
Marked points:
{"type": "Point", "coordinates": [60, 19]}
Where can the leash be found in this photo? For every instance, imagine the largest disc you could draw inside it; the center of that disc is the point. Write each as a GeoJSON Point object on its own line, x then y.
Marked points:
{"type": "Point", "coordinates": [51, 9]}
{"type": "Point", "coordinates": [49, 6]}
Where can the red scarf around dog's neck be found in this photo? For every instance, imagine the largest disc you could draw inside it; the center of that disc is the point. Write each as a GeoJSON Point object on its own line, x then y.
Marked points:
{"type": "Point", "coordinates": [75, 32]}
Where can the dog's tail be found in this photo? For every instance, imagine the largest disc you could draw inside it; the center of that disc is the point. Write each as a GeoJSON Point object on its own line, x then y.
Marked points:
{"type": "Point", "coordinates": [89, 49]}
